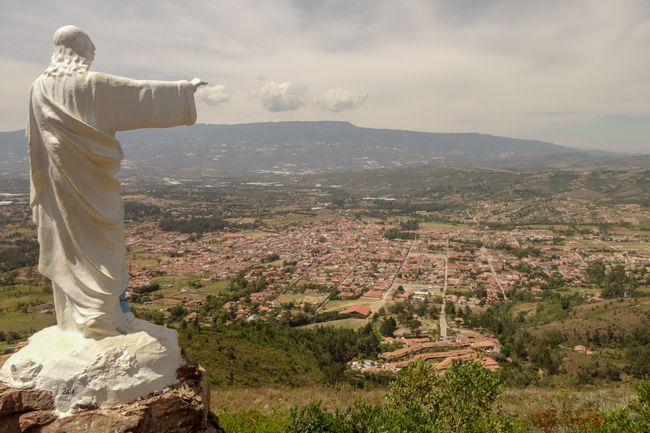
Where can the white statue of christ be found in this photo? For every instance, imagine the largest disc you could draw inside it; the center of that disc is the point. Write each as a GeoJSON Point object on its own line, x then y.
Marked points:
{"type": "Point", "coordinates": [74, 157]}
{"type": "Point", "coordinates": [97, 353]}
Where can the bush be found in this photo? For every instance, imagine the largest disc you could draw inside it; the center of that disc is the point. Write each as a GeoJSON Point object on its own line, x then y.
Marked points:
{"type": "Point", "coordinates": [397, 234]}
{"type": "Point", "coordinates": [388, 327]}
{"type": "Point", "coordinates": [312, 419]}
{"type": "Point", "coordinates": [271, 257]}
{"type": "Point", "coordinates": [419, 400]}
{"type": "Point", "coordinates": [411, 224]}
{"type": "Point", "coordinates": [197, 225]}
{"type": "Point", "coordinates": [152, 287]}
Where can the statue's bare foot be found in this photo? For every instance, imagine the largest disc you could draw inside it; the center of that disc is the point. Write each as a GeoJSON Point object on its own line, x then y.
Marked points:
{"type": "Point", "coordinates": [100, 327]}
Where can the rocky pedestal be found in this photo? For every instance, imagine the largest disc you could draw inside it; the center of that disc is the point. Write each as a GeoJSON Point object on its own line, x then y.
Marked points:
{"type": "Point", "coordinates": [181, 408]}
{"type": "Point", "coordinates": [103, 372]}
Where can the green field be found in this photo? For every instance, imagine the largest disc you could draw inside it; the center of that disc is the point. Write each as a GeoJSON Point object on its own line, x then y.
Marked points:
{"type": "Point", "coordinates": [299, 298]}
{"type": "Point", "coordinates": [441, 225]}
{"type": "Point", "coordinates": [11, 297]}
{"type": "Point", "coordinates": [25, 309]}
{"type": "Point", "coordinates": [341, 323]}
{"type": "Point", "coordinates": [26, 323]}
{"type": "Point", "coordinates": [176, 289]}
{"type": "Point", "coordinates": [340, 304]}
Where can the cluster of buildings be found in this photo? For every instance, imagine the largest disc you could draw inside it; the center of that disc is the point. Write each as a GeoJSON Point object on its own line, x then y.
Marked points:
{"type": "Point", "coordinates": [347, 258]}
{"type": "Point", "coordinates": [465, 346]}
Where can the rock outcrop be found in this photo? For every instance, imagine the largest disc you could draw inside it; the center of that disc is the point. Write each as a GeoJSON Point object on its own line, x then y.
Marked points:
{"type": "Point", "coordinates": [181, 408]}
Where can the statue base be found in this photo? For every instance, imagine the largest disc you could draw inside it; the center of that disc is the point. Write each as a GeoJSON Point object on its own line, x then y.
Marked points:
{"type": "Point", "coordinates": [81, 372]}
{"type": "Point", "coordinates": [180, 408]}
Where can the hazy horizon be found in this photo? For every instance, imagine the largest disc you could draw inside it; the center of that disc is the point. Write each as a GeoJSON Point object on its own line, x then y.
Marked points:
{"type": "Point", "coordinates": [573, 74]}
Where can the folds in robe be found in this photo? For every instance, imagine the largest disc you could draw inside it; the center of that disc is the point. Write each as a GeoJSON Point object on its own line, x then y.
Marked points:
{"type": "Point", "coordinates": [74, 157]}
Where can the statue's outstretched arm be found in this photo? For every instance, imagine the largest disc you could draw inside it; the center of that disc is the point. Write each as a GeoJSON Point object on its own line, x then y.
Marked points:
{"type": "Point", "coordinates": [125, 104]}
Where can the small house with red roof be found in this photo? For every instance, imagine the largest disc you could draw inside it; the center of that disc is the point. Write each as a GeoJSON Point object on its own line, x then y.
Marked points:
{"type": "Point", "coordinates": [361, 310]}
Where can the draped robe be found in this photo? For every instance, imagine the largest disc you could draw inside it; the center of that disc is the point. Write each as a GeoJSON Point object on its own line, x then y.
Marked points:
{"type": "Point", "coordinates": [74, 193]}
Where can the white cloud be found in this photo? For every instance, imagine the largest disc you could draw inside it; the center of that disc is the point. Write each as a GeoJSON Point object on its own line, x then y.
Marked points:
{"type": "Point", "coordinates": [339, 99]}
{"type": "Point", "coordinates": [213, 95]}
{"type": "Point", "coordinates": [281, 96]}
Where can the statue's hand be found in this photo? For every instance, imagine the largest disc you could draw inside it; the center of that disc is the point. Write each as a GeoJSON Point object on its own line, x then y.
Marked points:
{"type": "Point", "coordinates": [197, 82]}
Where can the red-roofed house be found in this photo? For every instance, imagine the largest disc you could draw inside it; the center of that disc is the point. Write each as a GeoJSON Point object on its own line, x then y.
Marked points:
{"type": "Point", "coordinates": [362, 310]}
{"type": "Point", "coordinates": [376, 294]}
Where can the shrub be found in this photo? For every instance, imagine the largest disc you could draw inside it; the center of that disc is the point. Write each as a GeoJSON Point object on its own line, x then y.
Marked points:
{"type": "Point", "coordinates": [419, 400]}
{"type": "Point", "coordinates": [152, 287]}
{"type": "Point", "coordinates": [388, 327]}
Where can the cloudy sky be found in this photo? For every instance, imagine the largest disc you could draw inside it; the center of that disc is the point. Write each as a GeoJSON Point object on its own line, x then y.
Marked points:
{"type": "Point", "coordinates": [572, 72]}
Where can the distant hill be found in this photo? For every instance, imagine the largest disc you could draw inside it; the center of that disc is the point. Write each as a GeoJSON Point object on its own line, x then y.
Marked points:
{"type": "Point", "coordinates": [13, 153]}
{"type": "Point", "coordinates": [290, 148]}
{"type": "Point", "coordinates": [445, 186]}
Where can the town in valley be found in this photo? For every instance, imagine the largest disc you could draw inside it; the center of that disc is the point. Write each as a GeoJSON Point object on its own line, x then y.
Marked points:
{"type": "Point", "coordinates": [209, 254]}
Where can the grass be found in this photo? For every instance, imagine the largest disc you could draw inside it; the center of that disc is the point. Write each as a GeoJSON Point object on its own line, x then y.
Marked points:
{"type": "Point", "coordinates": [645, 290]}
{"type": "Point", "coordinates": [441, 225]}
{"type": "Point", "coordinates": [605, 396]}
{"type": "Point", "coordinates": [242, 220]}
{"type": "Point", "coordinates": [269, 399]}
{"type": "Point", "coordinates": [29, 320]}
{"type": "Point", "coordinates": [174, 289]}
{"type": "Point", "coordinates": [341, 323]}
{"type": "Point", "coordinates": [523, 306]}
{"type": "Point", "coordinates": [340, 304]}
{"type": "Point", "coordinates": [248, 421]}
{"type": "Point", "coordinates": [254, 233]}
{"type": "Point", "coordinates": [300, 298]}
{"type": "Point", "coordinates": [12, 296]}
{"type": "Point", "coordinates": [266, 409]}
{"type": "Point", "coordinates": [213, 288]}
{"type": "Point", "coordinates": [581, 290]}
{"type": "Point", "coordinates": [26, 323]}
{"type": "Point", "coordinates": [622, 314]}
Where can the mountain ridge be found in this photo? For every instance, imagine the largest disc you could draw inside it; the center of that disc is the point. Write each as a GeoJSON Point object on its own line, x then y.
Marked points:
{"type": "Point", "coordinates": [308, 147]}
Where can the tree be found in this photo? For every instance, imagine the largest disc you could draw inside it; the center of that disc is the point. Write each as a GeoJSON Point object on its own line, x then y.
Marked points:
{"type": "Point", "coordinates": [415, 385]}
{"type": "Point", "coordinates": [462, 400]}
{"type": "Point", "coordinates": [450, 308]}
{"type": "Point", "coordinates": [411, 224]}
{"type": "Point", "coordinates": [596, 273]}
{"type": "Point", "coordinates": [481, 292]}
{"type": "Point", "coordinates": [617, 283]}
{"type": "Point", "coordinates": [555, 280]}
{"type": "Point", "coordinates": [176, 312]}
{"type": "Point", "coordinates": [414, 325]}
{"type": "Point", "coordinates": [543, 357]}
{"type": "Point", "coordinates": [387, 327]}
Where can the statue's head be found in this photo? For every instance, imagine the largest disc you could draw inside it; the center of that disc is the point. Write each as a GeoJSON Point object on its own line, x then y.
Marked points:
{"type": "Point", "coordinates": [74, 51]}
{"type": "Point", "coordinates": [77, 40]}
